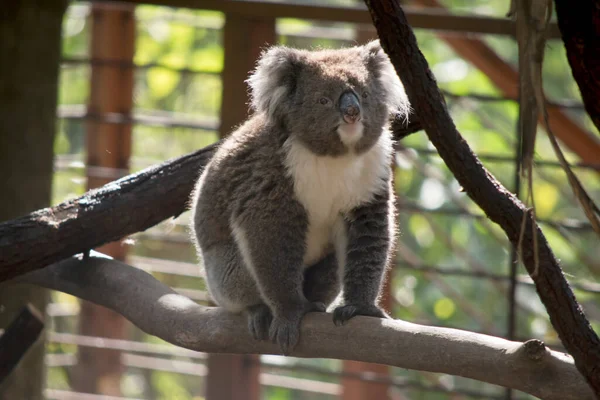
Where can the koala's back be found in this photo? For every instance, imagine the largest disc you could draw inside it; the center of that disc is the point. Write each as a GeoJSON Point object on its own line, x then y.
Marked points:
{"type": "Point", "coordinates": [246, 170]}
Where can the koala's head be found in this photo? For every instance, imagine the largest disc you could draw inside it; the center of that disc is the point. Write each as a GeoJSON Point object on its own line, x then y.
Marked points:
{"type": "Point", "coordinates": [330, 100]}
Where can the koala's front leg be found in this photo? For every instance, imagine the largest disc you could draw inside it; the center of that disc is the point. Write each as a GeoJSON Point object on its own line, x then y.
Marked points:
{"type": "Point", "coordinates": [271, 240]}
{"type": "Point", "coordinates": [371, 230]}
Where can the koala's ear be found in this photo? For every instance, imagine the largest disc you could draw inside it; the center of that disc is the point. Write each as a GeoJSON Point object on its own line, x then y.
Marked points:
{"type": "Point", "coordinates": [274, 78]}
{"type": "Point", "coordinates": [372, 48]}
{"type": "Point", "coordinates": [379, 65]}
{"type": "Point", "coordinates": [374, 57]}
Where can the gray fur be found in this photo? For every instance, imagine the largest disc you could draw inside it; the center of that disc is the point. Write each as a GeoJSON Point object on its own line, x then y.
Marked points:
{"type": "Point", "coordinates": [252, 215]}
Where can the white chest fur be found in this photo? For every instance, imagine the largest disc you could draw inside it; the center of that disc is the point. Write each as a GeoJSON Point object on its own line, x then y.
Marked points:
{"type": "Point", "coordinates": [328, 186]}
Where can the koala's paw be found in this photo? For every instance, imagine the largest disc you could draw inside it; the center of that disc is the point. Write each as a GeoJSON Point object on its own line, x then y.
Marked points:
{"type": "Point", "coordinates": [343, 313]}
{"type": "Point", "coordinates": [285, 330]}
{"type": "Point", "coordinates": [259, 321]}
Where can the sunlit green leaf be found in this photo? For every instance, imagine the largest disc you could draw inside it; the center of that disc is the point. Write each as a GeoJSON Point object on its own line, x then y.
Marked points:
{"type": "Point", "coordinates": [209, 59]}
{"type": "Point", "coordinates": [444, 308]}
{"type": "Point", "coordinates": [546, 197]}
{"type": "Point", "coordinates": [420, 228]}
{"type": "Point", "coordinates": [161, 81]}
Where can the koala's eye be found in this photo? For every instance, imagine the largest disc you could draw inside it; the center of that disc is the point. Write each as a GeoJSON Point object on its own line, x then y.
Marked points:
{"type": "Point", "coordinates": [324, 101]}
{"type": "Point", "coordinates": [365, 95]}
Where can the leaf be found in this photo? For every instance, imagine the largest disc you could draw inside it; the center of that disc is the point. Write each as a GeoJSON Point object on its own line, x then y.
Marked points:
{"type": "Point", "coordinates": [444, 308]}
{"type": "Point", "coordinates": [161, 81]}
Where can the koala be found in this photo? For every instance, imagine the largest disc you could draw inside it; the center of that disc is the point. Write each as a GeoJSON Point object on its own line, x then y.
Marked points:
{"type": "Point", "coordinates": [297, 205]}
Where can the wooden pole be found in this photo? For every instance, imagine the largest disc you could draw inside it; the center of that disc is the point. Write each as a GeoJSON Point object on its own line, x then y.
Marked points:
{"type": "Point", "coordinates": [108, 152]}
{"type": "Point", "coordinates": [354, 388]}
{"type": "Point", "coordinates": [230, 376]}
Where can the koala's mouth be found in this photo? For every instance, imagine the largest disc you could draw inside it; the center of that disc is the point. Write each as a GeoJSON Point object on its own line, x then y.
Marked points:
{"type": "Point", "coordinates": [351, 119]}
{"type": "Point", "coordinates": [350, 133]}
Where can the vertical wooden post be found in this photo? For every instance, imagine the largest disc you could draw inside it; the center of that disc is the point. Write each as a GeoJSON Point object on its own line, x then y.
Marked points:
{"type": "Point", "coordinates": [108, 146]}
{"type": "Point", "coordinates": [357, 389]}
{"type": "Point", "coordinates": [243, 40]}
{"type": "Point", "coordinates": [30, 52]}
{"type": "Point", "coordinates": [353, 388]}
{"type": "Point", "coordinates": [232, 376]}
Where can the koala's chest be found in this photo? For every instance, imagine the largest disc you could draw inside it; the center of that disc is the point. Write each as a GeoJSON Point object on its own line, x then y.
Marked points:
{"type": "Point", "coordinates": [329, 187]}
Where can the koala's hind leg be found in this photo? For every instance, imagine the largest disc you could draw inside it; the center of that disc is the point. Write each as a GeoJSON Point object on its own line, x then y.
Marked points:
{"type": "Point", "coordinates": [322, 281]}
{"type": "Point", "coordinates": [271, 239]}
{"type": "Point", "coordinates": [233, 288]}
{"type": "Point", "coordinates": [259, 321]}
{"type": "Point", "coordinates": [229, 281]}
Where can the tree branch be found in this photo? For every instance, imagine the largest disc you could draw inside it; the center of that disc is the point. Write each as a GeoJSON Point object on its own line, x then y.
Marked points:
{"type": "Point", "coordinates": [578, 22]}
{"type": "Point", "coordinates": [501, 206]}
{"type": "Point", "coordinates": [159, 311]}
{"type": "Point", "coordinates": [18, 337]}
{"type": "Point", "coordinates": [123, 207]}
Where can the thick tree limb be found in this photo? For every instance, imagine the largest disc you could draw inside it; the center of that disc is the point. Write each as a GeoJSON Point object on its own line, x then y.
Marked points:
{"type": "Point", "coordinates": [128, 205]}
{"type": "Point", "coordinates": [158, 310]}
{"type": "Point", "coordinates": [578, 22]}
{"type": "Point", "coordinates": [20, 335]}
{"type": "Point", "coordinates": [131, 204]}
{"type": "Point", "coordinates": [567, 317]}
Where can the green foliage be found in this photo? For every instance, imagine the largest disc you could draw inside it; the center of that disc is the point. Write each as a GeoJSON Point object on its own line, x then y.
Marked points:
{"type": "Point", "coordinates": [170, 386]}
{"type": "Point", "coordinates": [58, 378]}
{"type": "Point", "coordinates": [276, 393]}
{"type": "Point", "coordinates": [444, 308]}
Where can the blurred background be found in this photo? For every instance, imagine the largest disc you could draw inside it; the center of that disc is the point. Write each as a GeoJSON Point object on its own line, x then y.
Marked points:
{"type": "Point", "coordinates": [141, 84]}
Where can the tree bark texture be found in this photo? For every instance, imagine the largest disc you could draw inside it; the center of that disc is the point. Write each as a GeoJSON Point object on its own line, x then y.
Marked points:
{"type": "Point", "coordinates": [501, 206]}
{"type": "Point", "coordinates": [18, 337]}
{"type": "Point", "coordinates": [579, 24]}
{"type": "Point", "coordinates": [158, 310]}
{"type": "Point", "coordinates": [108, 145]}
{"type": "Point", "coordinates": [30, 35]}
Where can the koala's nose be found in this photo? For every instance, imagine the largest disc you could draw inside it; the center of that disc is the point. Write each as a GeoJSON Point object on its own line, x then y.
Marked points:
{"type": "Point", "coordinates": [350, 107]}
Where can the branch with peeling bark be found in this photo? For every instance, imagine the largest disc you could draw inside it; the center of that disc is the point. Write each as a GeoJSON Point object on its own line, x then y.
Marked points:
{"type": "Point", "coordinates": [501, 206]}
{"type": "Point", "coordinates": [158, 310]}
{"type": "Point", "coordinates": [123, 207]}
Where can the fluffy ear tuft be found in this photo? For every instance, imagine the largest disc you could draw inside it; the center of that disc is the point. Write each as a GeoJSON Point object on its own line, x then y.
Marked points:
{"type": "Point", "coordinates": [273, 79]}
{"type": "Point", "coordinates": [379, 64]}
{"type": "Point", "coordinates": [373, 48]}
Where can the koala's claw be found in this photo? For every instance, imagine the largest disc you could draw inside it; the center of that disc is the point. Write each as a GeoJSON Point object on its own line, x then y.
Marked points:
{"type": "Point", "coordinates": [285, 331]}
{"type": "Point", "coordinates": [259, 321]}
{"type": "Point", "coordinates": [317, 306]}
{"type": "Point", "coordinates": [342, 314]}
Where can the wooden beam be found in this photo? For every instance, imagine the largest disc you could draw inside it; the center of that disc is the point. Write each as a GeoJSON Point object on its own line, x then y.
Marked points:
{"type": "Point", "coordinates": [108, 146]}
{"type": "Point", "coordinates": [231, 376]}
{"type": "Point", "coordinates": [418, 18]}
{"type": "Point", "coordinates": [243, 40]}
